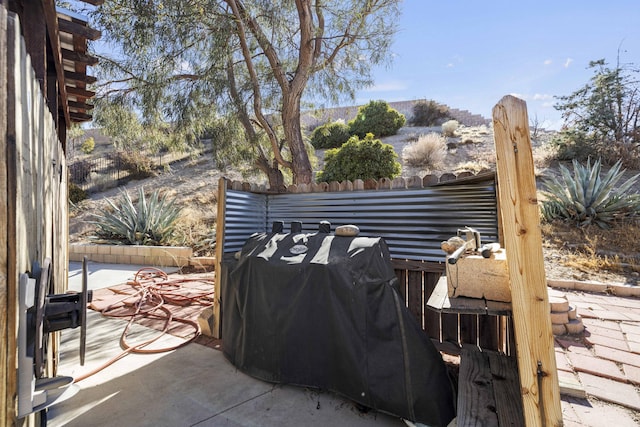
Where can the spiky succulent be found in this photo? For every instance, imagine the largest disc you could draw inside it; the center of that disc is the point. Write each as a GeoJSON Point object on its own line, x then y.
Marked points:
{"type": "Point", "coordinates": [587, 198]}
{"type": "Point", "coordinates": [149, 222]}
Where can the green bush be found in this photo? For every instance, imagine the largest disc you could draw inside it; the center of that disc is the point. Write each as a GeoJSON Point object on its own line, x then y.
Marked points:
{"type": "Point", "coordinates": [377, 118]}
{"type": "Point", "coordinates": [586, 198]}
{"type": "Point", "coordinates": [88, 146]}
{"type": "Point", "coordinates": [573, 144]}
{"type": "Point", "coordinates": [428, 113]}
{"type": "Point", "coordinates": [330, 135]}
{"type": "Point", "coordinates": [76, 194]}
{"type": "Point", "coordinates": [148, 222]}
{"type": "Point", "coordinates": [360, 159]}
{"type": "Point", "coordinates": [139, 165]}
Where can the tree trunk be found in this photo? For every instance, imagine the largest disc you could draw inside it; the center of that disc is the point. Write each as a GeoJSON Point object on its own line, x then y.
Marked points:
{"type": "Point", "coordinates": [274, 174]}
{"type": "Point", "coordinates": [302, 171]}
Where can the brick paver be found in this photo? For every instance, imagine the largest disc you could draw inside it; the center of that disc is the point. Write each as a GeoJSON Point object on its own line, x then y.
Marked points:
{"type": "Point", "coordinates": [632, 373]}
{"type": "Point", "coordinates": [596, 366]}
{"type": "Point", "coordinates": [611, 391]}
{"type": "Point", "coordinates": [617, 355]}
{"type": "Point", "coordinates": [616, 342]}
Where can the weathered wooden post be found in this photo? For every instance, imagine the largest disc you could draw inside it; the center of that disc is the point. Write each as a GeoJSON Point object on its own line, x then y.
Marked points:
{"type": "Point", "coordinates": [523, 243]}
{"type": "Point", "coordinates": [222, 194]}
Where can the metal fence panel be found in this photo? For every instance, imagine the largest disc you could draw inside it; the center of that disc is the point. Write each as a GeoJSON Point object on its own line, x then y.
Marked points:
{"type": "Point", "coordinates": [412, 221]}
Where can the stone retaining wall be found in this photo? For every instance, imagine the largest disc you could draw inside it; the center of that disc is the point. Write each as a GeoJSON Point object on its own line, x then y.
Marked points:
{"type": "Point", "coordinates": [158, 256]}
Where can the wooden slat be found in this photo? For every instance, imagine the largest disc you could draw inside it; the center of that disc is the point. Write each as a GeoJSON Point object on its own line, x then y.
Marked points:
{"type": "Point", "coordinates": [414, 294]}
{"type": "Point", "coordinates": [431, 318]}
{"type": "Point", "coordinates": [80, 105]}
{"type": "Point", "coordinates": [523, 243]}
{"type": "Point", "coordinates": [78, 57]}
{"type": "Point", "coordinates": [4, 231]}
{"type": "Point", "coordinates": [78, 29]}
{"type": "Point", "coordinates": [476, 403]}
{"type": "Point", "coordinates": [465, 305]}
{"type": "Point", "coordinates": [488, 333]}
{"type": "Point", "coordinates": [222, 195]}
{"type": "Point", "coordinates": [79, 77]}
{"type": "Point", "coordinates": [76, 91]}
{"type": "Point", "coordinates": [54, 38]}
{"type": "Point", "coordinates": [402, 283]}
{"type": "Point", "coordinates": [468, 324]}
{"type": "Point", "coordinates": [506, 389]}
{"type": "Point", "coordinates": [408, 264]}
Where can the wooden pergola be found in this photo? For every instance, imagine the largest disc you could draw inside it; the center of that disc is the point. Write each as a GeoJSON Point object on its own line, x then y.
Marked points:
{"type": "Point", "coordinates": [57, 43]}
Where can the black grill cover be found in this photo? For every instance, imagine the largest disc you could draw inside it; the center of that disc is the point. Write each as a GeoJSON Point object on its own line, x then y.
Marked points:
{"type": "Point", "coordinates": [323, 311]}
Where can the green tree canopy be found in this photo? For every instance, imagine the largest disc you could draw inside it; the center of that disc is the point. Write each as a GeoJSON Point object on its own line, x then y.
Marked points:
{"type": "Point", "coordinates": [608, 107]}
{"type": "Point", "coordinates": [190, 63]}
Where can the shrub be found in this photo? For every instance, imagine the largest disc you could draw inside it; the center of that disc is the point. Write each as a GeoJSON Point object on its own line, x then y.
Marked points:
{"type": "Point", "coordinates": [449, 128]}
{"type": "Point", "coordinates": [377, 118]}
{"type": "Point", "coordinates": [88, 145]}
{"type": "Point", "coordinates": [148, 222]}
{"type": "Point", "coordinates": [76, 194]}
{"type": "Point", "coordinates": [330, 135]}
{"type": "Point", "coordinates": [428, 151]}
{"type": "Point", "coordinates": [360, 159]}
{"type": "Point", "coordinates": [573, 144]}
{"type": "Point", "coordinates": [428, 113]}
{"type": "Point", "coordinates": [80, 171]}
{"type": "Point", "coordinates": [586, 198]}
{"type": "Point", "coordinates": [139, 165]}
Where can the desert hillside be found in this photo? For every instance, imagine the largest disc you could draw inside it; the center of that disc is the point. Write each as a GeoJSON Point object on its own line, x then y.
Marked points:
{"type": "Point", "coordinates": [570, 253]}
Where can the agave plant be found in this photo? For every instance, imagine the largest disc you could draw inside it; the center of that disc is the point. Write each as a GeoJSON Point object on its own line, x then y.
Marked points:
{"type": "Point", "coordinates": [588, 198]}
{"type": "Point", "coordinates": [149, 222]}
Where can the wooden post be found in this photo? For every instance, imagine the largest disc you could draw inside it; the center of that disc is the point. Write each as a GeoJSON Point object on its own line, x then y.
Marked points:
{"type": "Point", "coordinates": [523, 243]}
{"type": "Point", "coordinates": [5, 369]}
{"type": "Point", "coordinates": [222, 194]}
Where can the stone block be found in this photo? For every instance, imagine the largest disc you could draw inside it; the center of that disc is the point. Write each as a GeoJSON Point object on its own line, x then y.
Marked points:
{"type": "Point", "coordinates": [560, 317]}
{"type": "Point", "coordinates": [477, 277]}
{"type": "Point", "coordinates": [207, 321]}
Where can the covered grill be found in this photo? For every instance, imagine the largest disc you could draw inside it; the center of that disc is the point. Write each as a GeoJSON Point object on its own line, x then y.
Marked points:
{"type": "Point", "coordinates": [324, 311]}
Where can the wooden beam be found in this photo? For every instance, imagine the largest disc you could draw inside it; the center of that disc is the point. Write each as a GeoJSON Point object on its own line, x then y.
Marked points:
{"type": "Point", "coordinates": [83, 93]}
{"type": "Point", "coordinates": [222, 194]}
{"type": "Point", "coordinates": [80, 105]}
{"type": "Point", "coordinates": [79, 57]}
{"type": "Point", "coordinates": [54, 36]}
{"type": "Point", "coordinates": [35, 38]}
{"type": "Point", "coordinates": [6, 401]}
{"type": "Point", "coordinates": [78, 29]}
{"type": "Point", "coordinates": [523, 243]}
{"type": "Point", "coordinates": [80, 117]}
{"type": "Point", "coordinates": [79, 77]}
{"type": "Point", "coordinates": [93, 2]}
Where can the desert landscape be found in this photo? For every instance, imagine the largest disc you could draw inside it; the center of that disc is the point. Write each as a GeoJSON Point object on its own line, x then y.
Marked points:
{"type": "Point", "coordinates": [571, 253]}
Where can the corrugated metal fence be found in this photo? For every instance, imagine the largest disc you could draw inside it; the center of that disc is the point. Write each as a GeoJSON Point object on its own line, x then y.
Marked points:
{"type": "Point", "coordinates": [413, 222]}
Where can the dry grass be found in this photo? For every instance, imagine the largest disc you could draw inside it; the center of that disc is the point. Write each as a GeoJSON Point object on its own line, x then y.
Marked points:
{"type": "Point", "coordinates": [428, 151]}
{"type": "Point", "coordinates": [593, 250]}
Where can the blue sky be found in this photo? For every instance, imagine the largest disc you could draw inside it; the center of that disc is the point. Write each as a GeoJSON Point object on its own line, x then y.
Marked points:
{"type": "Point", "coordinates": [469, 54]}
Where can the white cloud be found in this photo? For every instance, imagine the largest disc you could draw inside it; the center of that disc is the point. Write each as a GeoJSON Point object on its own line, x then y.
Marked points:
{"type": "Point", "coordinates": [568, 62]}
{"type": "Point", "coordinates": [547, 62]}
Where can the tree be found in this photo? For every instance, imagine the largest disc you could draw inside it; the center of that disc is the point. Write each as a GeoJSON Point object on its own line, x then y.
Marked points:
{"type": "Point", "coordinates": [177, 61]}
{"type": "Point", "coordinates": [608, 107]}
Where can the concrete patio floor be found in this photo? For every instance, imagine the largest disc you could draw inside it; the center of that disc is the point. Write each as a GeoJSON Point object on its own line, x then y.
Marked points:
{"type": "Point", "coordinates": [196, 386]}
{"type": "Point", "coordinates": [191, 386]}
